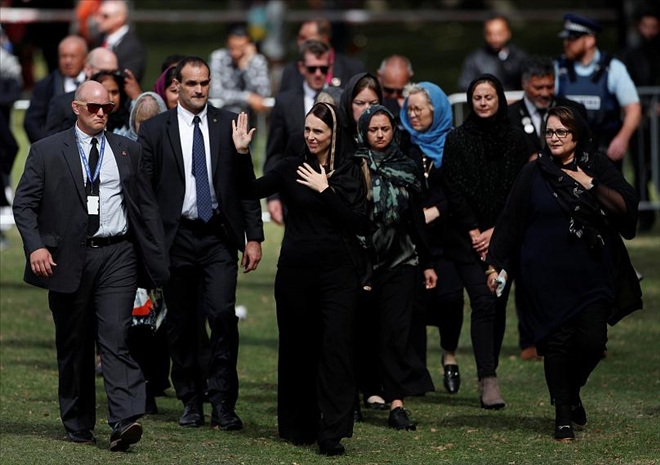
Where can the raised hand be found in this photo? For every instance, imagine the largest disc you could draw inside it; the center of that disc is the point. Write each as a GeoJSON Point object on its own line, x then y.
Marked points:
{"type": "Point", "coordinates": [240, 134]}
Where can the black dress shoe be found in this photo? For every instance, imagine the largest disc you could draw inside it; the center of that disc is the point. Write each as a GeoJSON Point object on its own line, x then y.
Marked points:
{"type": "Point", "coordinates": [225, 418]}
{"type": "Point", "coordinates": [193, 415]}
{"type": "Point", "coordinates": [125, 433]}
{"type": "Point", "coordinates": [331, 447]}
{"type": "Point", "coordinates": [83, 436]}
{"type": "Point", "coordinates": [399, 420]}
{"type": "Point", "coordinates": [564, 433]}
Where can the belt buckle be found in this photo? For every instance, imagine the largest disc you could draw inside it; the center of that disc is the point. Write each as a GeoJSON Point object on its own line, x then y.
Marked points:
{"type": "Point", "coordinates": [93, 243]}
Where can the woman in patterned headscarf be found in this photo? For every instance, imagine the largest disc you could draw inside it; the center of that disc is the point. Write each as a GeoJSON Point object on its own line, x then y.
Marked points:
{"type": "Point", "coordinates": [560, 234]}
{"type": "Point", "coordinates": [319, 272]}
{"type": "Point", "coordinates": [397, 248]}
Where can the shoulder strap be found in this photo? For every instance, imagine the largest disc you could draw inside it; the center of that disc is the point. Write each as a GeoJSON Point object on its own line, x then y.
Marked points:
{"type": "Point", "coordinates": [602, 67]}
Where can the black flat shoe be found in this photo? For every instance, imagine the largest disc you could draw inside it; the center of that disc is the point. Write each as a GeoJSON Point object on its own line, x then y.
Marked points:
{"type": "Point", "coordinates": [451, 379]}
{"type": "Point", "coordinates": [563, 429]}
{"type": "Point", "coordinates": [398, 419]}
{"type": "Point", "coordinates": [331, 447]}
{"type": "Point", "coordinates": [125, 433]}
{"type": "Point", "coordinates": [564, 433]}
{"type": "Point", "coordinates": [83, 436]}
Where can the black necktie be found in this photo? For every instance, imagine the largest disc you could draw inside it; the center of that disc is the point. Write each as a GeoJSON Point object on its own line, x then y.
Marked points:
{"type": "Point", "coordinates": [200, 171]}
{"type": "Point", "coordinates": [93, 188]}
{"type": "Point", "coordinates": [542, 112]}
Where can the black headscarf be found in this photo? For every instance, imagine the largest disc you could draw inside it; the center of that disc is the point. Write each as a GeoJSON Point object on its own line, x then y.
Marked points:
{"type": "Point", "coordinates": [346, 102]}
{"type": "Point", "coordinates": [586, 217]}
{"type": "Point", "coordinates": [393, 174]}
{"type": "Point", "coordinates": [494, 127]}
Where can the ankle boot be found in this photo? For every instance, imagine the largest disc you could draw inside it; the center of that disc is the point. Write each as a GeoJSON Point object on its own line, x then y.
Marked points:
{"type": "Point", "coordinates": [489, 392]}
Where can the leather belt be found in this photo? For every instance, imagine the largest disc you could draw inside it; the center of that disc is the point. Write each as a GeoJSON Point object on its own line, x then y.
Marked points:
{"type": "Point", "coordinates": [95, 242]}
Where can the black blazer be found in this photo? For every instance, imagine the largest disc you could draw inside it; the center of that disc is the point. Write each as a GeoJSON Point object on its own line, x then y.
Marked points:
{"type": "Point", "coordinates": [50, 211]}
{"type": "Point", "coordinates": [44, 91]}
{"type": "Point", "coordinates": [518, 111]}
{"type": "Point", "coordinates": [231, 173]}
{"type": "Point", "coordinates": [60, 114]}
{"type": "Point", "coordinates": [286, 118]}
{"type": "Point", "coordinates": [343, 68]}
{"type": "Point", "coordinates": [131, 54]}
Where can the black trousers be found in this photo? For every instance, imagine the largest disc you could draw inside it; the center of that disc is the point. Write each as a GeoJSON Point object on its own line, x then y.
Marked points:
{"type": "Point", "coordinates": [488, 318]}
{"type": "Point", "coordinates": [202, 264]}
{"type": "Point", "coordinates": [99, 310]}
{"type": "Point", "coordinates": [316, 386]}
{"type": "Point", "coordinates": [388, 363]}
{"type": "Point", "coordinates": [572, 352]}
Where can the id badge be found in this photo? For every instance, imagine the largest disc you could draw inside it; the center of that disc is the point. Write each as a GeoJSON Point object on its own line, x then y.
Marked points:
{"type": "Point", "coordinates": [92, 204]}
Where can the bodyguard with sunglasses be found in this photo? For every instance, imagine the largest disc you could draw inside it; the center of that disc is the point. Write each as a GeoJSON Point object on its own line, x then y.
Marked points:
{"type": "Point", "coordinates": [92, 233]}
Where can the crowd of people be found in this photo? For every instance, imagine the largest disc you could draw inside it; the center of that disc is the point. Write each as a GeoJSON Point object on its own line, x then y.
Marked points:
{"type": "Point", "coordinates": [390, 212]}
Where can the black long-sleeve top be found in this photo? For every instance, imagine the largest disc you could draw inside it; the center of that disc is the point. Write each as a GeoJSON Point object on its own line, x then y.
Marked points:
{"type": "Point", "coordinates": [321, 228]}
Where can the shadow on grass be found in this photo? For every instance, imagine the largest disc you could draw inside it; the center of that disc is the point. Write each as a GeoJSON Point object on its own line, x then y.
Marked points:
{"type": "Point", "coordinates": [28, 344]}
{"type": "Point", "coordinates": [48, 430]}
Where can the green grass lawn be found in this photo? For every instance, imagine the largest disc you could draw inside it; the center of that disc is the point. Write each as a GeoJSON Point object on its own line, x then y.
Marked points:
{"type": "Point", "coordinates": [622, 398]}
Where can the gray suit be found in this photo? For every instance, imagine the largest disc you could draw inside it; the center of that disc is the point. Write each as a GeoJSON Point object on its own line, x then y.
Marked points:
{"type": "Point", "coordinates": [92, 289]}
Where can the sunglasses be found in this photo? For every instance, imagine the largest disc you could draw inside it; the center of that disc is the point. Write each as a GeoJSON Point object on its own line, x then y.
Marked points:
{"type": "Point", "coordinates": [94, 108]}
{"type": "Point", "coordinates": [312, 69]}
{"type": "Point", "coordinates": [392, 91]}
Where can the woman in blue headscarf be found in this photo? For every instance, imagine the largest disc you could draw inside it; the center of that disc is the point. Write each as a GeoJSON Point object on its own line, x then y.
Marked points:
{"type": "Point", "coordinates": [397, 250]}
{"type": "Point", "coordinates": [427, 117]}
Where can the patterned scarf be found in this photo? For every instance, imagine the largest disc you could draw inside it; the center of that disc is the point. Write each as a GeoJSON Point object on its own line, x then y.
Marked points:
{"type": "Point", "coordinates": [586, 218]}
{"type": "Point", "coordinates": [393, 175]}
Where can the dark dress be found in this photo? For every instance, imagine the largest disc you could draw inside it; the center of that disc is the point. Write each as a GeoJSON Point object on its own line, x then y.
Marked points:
{"type": "Point", "coordinates": [316, 288]}
{"type": "Point", "coordinates": [575, 271]}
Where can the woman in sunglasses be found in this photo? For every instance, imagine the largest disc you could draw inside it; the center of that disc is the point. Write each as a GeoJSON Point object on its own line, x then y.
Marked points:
{"type": "Point", "coordinates": [560, 234]}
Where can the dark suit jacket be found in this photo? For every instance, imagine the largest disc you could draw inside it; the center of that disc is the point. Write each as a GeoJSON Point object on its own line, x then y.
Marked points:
{"type": "Point", "coordinates": [50, 210]}
{"type": "Point", "coordinates": [60, 114]}
{"type": "Point", "coordinates": [231, 173]}
{"type": "Point", "coordinates": [518, 111]}
{"type": "Point", "coordinates": [131, 54]}
{"type": "Point", "coordinates": [286, 118]}
{"type": "Point", "coordinates": [44, 90]}
{"type": "Point", "coordinates": [343, 68]}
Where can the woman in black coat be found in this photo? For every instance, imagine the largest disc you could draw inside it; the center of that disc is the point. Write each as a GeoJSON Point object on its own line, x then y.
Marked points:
{"type": "Point", "coordinates": [482, 158]}
{"type": "Point", "coordinates": [559, 234]}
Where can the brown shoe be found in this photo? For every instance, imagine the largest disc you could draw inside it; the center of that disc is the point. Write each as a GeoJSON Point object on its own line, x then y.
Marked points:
{"type": "Point", "coordinates": [530, 353]}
